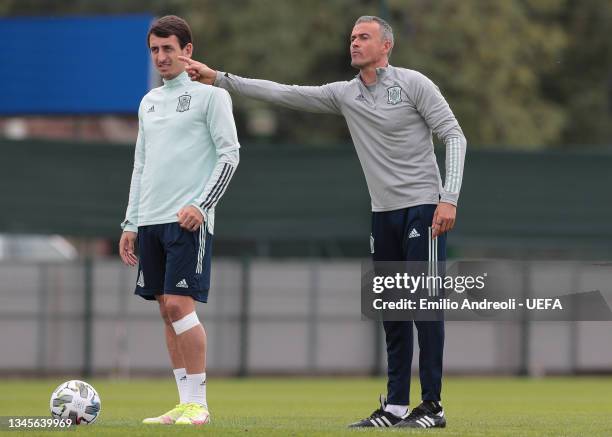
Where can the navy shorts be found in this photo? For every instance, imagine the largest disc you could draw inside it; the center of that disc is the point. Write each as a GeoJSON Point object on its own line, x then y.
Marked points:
{"type": "Point", "coordinates": [173, 260]}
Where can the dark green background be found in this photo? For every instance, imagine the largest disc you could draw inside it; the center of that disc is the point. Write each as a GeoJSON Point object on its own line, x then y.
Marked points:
{"type": "Point", "coordinates": [296, 200]}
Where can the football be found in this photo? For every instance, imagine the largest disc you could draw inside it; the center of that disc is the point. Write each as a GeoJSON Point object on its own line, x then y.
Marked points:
{"type": "Point", "coordinates": [75, 400]}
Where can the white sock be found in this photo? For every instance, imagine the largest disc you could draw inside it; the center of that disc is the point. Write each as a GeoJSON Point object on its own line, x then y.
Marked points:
{"type": "Point", "coordinates": [180, 375]}
{"type": "Point", "coordinates": [396, 410]}
{"type": "Point", "coordinates": [196, 388]}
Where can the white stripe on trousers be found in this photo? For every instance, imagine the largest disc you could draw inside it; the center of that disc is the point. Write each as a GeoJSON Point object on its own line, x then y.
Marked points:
{"type": "Point", "coordinates": [432, 262]}
{"type": "Point", "coordinates": [201, 249]}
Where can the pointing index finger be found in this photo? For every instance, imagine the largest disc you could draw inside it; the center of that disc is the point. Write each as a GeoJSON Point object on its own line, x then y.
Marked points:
{"type": "Point", "coordinates": [185, 59]}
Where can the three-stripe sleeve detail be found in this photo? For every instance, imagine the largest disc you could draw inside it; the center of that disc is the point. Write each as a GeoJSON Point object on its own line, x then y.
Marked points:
{"type": "Point", "coordinates": [453, 165]}
{"type": "Point", "coordinates": [219, 188]}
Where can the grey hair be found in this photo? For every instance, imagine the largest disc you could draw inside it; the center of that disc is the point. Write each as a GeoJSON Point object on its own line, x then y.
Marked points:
{"type": "Point", "coordinates": [385, 28]}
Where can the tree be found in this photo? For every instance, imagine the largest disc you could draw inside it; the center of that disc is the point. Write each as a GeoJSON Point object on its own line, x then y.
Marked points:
{"type": "Point", "coordinates": [487, 58]}
{"type": "Point", "coordinates": [517, 73]}
{"type": "Point", "coordinates": [303, 43]}
{"type": "Point", "coordinates": [584, 86]}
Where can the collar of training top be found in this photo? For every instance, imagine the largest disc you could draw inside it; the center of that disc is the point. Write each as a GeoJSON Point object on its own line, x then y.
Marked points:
{"type": "Point", "coordinates": [380, 71]}
{"type": "Point", "coordinates": [179, 80]}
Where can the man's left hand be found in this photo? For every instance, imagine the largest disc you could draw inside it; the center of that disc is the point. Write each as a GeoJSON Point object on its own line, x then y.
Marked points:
{"type": "Point", "coordinates": [443, 218]}
{"type": "Point", "coordinates": [190, 218]}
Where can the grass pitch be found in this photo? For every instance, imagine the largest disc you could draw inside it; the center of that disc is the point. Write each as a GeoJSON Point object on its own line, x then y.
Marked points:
{"type": "Point", "coordinates": [324, 406]}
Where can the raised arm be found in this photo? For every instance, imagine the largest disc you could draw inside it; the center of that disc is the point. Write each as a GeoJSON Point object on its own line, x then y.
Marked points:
{"type": "Point", "coordinates": [321, 99]}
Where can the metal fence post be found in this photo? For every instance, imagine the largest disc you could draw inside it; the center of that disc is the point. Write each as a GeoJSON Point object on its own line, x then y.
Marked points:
{"type": "Point", "coordinates": [243, 368]}
{"type": "Point", "coordinates": [43, 317]}
{"type": "Point", "coordinates": [525, 325]}
{"type": "Point", "coordinates": [87, 317]}
{"type": "Point", "coordinates": [572, 346]}
{"type": "Point", "coordinates": [313, 297]}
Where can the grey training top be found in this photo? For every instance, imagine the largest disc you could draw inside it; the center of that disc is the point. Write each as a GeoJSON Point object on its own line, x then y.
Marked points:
{"type": "Point", "coordinates": [391, 128]}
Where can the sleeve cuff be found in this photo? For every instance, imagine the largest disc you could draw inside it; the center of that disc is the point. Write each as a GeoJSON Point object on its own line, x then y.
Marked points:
{"type": "Point", "coordinates": [201, 211]}
{"type": "Point", "coordinates": [128, 226]}
{"type": "Point", "coordinates": [218, 78]}
{"type": "Point", "coordinates": [447, 199]}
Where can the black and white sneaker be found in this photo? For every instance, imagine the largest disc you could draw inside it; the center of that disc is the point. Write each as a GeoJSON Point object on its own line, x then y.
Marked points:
{"type": "Point", "coordinates": [379, 418]}
{"type": "Point", "coordinates": [427, 415]}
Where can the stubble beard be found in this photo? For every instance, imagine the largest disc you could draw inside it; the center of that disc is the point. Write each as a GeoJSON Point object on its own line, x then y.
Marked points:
{"type": "Point", "coordinates": [358, 65]}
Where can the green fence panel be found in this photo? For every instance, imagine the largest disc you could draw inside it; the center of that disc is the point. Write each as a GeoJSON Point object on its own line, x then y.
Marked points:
{"type": "Point", "coordinates": [294, 194]}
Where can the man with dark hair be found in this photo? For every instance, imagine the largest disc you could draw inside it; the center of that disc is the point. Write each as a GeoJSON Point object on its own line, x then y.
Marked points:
{"type": "Point", "coordinates": [391, 113]}
{"type": "Point", "coordinates": [170, 25]}
{"type": "Point", "coordinates": [188, 136]}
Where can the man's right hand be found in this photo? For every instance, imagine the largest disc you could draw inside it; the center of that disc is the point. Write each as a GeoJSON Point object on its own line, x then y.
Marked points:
{"type": "Point", "coordinates": [199, 72]}
{"type": "Point", "coordinates": [126, 248]}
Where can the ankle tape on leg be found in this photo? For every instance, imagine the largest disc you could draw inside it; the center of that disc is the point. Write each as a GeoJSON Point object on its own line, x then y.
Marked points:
{"type": "Point", "coordinates": [186, 323]}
